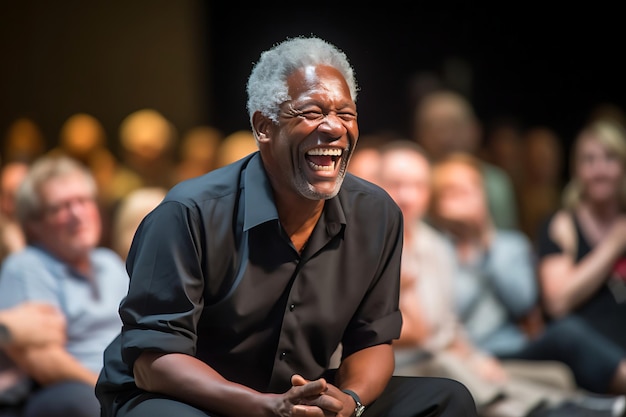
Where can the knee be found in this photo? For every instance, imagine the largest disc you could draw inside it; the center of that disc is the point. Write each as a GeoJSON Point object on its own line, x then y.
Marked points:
{"type": "Point", "coordinates": [570, 328]}
{"type": "Point", "coordinates": [458, 397]}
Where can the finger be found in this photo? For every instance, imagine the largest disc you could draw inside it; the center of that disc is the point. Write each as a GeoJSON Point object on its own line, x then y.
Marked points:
{"type": "Point", "coordinates": [329, 403]}
{"type": "Point", "coordinates": [298, 380]}
{"type": "Point", "coordinates": [306, 411]}
{"type": "Point", "coordinates": [313, 388]}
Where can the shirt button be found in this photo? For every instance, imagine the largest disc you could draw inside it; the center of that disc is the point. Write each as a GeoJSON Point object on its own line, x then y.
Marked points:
{"type": "Point", "coordinates": [283, 355]}
{"type": "Point", "coordinates": [292, 307]}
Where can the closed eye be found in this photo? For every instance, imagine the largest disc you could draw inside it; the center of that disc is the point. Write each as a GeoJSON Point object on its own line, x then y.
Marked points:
{"type": "Point", "coordinates": [317, 115]}
{"type": "Point", "coordinates": [347, 116]}
{"type": "Point", "coordinates": [312, 115]}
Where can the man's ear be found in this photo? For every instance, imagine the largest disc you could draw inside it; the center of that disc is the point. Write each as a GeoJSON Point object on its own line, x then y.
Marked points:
{"type": "Point", "coordinates": [262, 127]}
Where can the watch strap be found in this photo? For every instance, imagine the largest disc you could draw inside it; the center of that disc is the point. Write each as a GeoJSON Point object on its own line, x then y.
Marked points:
{"type": "Point", "coordinates": [358, 410]}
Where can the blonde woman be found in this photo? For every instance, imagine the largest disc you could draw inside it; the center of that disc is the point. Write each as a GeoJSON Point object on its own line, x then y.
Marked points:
{"type": "Point", "coordinates": [582, 247]}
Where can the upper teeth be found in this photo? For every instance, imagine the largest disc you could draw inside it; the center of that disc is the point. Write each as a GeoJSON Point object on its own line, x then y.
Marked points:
{"type": "Point", "coordinates": [325, 151]}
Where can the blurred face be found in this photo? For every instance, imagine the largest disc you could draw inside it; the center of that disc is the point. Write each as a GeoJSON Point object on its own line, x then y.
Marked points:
{"type": "Point", "coordinates": [543, 157]}
{"type": "Point", "coordinates": [69, 226]}
{"type": "Point", "coordinates": [460, 198]}
{"type": "Point", "coordinates": [365, 163]}
{"type": "Point", "coordinates": [405, 175]}
{"type": "Point", "coordinates": [443, 126]}
{"type": "Point", "coordinates": [599, 170]}
{"type": "Point", "coordinates": [307, 152]}
{"type": "Point", "coordinates": [82, 134]}
{"type": "Point", "coordinates": [505, 147]}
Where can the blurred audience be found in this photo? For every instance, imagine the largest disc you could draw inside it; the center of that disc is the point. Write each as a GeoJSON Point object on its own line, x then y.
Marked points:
{"type": "Point", "coordinates": [503, 146]}
{"type": "Point", "coordinates": [23, 141]}
{"type": "Point", "coordinates": [62, 265]}
{"type": "Point", "coordinates": [432, 341]}
{"type": "Point", "coordinates": [11, 234]}
{"type": "Point", "coordinates": [25, 325]}
{"type": "Point", "coordinates": [539, 191]}
{"type": "Point", "coordinates": [234, 147]}
{"type": "Point", "coordinates": [496, 288]}
{"type": "Point", "coordinates": [31, 323]}
{"type": "Point", "coordinates": [445, 122]}
{"type": "Point", "coordinates": [365, 159]}
{"type": "Point", "coordinates": [607, 111]}
{"type": "Point", "coordinates": [11, 175]}
{"type": "Point", "coordinates": [83, 138]}
{"type": "Point", "coordinates": [129, 214]}
{"type": "Point", "coordinates": [148, 145]}
{"type": "Point", "coordinates": [198, 152]}
{"type": "Point", "coordinates": [82, 135]}
{"type": "Point", "coordinates": [582, 247]}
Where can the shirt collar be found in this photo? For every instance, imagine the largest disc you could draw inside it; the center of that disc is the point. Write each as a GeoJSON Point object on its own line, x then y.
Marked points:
{"type": "Point", "coordinates": [259, 200]}
{"type": "Point", "coordinates": [60, 268]}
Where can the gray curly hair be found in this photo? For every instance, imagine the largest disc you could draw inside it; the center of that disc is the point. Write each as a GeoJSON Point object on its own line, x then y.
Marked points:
{"type": "Point", "coordinates": [267, 85]}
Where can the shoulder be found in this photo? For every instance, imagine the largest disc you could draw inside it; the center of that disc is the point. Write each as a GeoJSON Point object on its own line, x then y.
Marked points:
{"type": "Point", "coordinates": [107, 256]}
{"type": "Point", "coordinates": [360, 195]}
{"type": "Point", "coordinates": [29, 257]}
{"type": "Point", "coordinates": [561, 229]}
{"type": "Point", "coordinates": [494, 171]}
{"type": "Point", "coordinates": [26, 272]}
{"type": "Point", "coordinates": [369, 211]}
{"type": "Point", "coordinates": [560, 221]}
{"type": "Point", "coordinates": [512, 238]}
{"type": "Point", "coordinates": [190, 198]}
{"type": "Point", "coordinates": [215, 184]}
{"type": "Point", "coordinates": [495, 176]}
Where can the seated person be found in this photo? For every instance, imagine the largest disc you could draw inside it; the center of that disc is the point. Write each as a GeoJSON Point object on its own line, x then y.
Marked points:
{"type": "Point", "coordinates": [445, 122]}
{"type": "Point", "coordinates": [582, 247]}
{"type": "Point", "coordinates": [129, 214]}
{"type": "Point", "coordinates": [26, 324]}
{"type": "Point", "coordinates": [432, 341]}
{"type": "Point", "coordinates": [496, 286]}
{"type": "Point", "coordinates": [62, 266]}
{"type": "Point", "coordinates": [244, 281]}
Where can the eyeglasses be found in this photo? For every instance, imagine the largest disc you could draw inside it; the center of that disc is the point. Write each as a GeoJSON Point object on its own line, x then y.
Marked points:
{"type": "Point", "coordinates": [62, 208]}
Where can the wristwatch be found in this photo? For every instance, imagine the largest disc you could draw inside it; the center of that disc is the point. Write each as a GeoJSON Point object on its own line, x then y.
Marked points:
{"type": "Point", "coordinates": [359, 407]}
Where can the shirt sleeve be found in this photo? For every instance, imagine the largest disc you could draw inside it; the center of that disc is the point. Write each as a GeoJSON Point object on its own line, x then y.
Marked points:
{"type": "Point", "coordinates": [511, 271]}
{"type": "Point", "coordinates": [164, 301]}
{"type": "Point", "coordinates": [24, 277]}
{"type": "Point", "coordinates": [378, 319]}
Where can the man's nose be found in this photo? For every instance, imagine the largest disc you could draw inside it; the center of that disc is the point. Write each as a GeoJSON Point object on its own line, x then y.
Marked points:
{"type": "Point", "coordinates": [332, 125]}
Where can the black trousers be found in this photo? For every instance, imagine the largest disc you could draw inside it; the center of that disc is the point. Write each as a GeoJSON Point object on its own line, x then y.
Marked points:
{"type": "Point", "coordinates": [403, 397]}
{"type": "Point", "coordinates": [591, 356]}
{"type": "Point", "coordinates": [64, 399]}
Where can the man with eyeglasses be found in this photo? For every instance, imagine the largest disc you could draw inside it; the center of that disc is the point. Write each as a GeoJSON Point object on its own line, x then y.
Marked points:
{"type": "Point", "coordinates": [63, 266]}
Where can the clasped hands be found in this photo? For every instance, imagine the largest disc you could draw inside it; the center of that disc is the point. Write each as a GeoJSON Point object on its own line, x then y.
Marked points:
{"type": "Point", "coordinates": [315, 399]}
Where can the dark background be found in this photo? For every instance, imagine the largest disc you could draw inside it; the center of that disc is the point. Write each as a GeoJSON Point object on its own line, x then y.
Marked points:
{"type": "Point", "coordinates": [190, 59]}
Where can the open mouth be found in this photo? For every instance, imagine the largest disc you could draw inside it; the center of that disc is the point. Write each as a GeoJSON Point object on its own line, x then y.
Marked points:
{"type": "Point", "coordinates": [323, 159]}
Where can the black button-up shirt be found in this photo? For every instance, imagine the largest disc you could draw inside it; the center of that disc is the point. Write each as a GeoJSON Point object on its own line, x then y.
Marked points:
{"type": "Point", "coordinates": [214, 275]}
